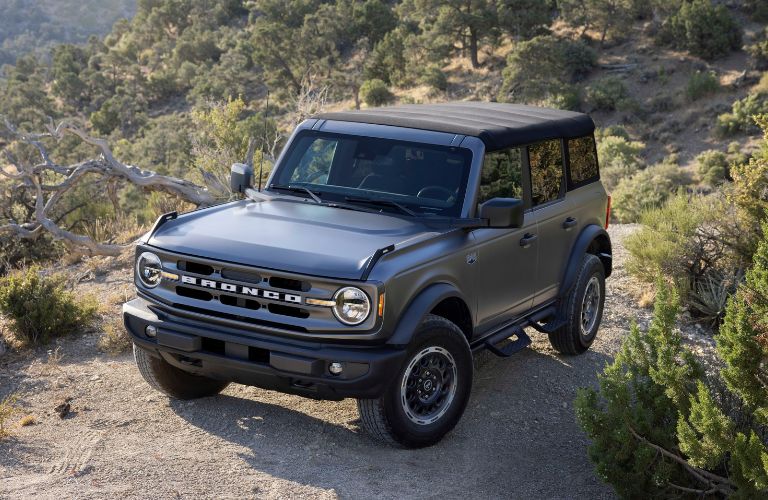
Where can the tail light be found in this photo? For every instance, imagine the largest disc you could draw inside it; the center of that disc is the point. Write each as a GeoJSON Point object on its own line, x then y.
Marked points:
{"type": "Point", "coordinates": [608, 212]}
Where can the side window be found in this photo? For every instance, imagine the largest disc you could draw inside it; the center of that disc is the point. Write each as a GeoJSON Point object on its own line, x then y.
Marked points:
{"type": "Point", "coordinates": [582, 160]}
{"type": "Point", "coordinates": [501, 176]}
{"type": "Point", "coordinates": [315, 165]}
{"type": "Point", "coordinates": [546, 160]}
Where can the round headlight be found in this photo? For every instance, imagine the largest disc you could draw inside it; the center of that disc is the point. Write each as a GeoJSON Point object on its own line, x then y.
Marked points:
{"type": "Point", "coordinates": [149, 269]}
{"type": "Point", "coordinates": [352, 305]}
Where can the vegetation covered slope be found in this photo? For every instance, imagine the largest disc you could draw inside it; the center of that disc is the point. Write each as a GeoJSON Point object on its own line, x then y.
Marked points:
{"type": "Point", "coordinates": [182, 79]}
{"type": "Point", "coordinates": [36, 26]}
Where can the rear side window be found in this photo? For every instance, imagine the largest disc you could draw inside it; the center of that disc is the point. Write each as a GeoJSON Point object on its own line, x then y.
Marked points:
{"type": "Point", "coordinates": [582, 160]}
{"type": "Point", "coordinates": [501, 176]}
{"type": "Point", "coordinates": [546, 160]}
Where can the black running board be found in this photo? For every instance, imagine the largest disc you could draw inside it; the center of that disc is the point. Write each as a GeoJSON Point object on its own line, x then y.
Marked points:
{"type": "Point", "coordinates": [548, 313]}
{"type": "Point", "coordinates": [521, 341]}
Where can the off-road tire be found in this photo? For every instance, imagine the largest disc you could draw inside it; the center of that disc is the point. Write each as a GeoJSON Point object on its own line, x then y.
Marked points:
{"type": "Point", "coordinates": [385, 418]}
{"type": "Point", "coordinates": [569, 338]}
{"type": "Point", "coordinates": [173, 382]}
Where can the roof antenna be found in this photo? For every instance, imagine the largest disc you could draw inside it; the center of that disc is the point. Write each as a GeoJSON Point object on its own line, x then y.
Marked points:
{"type": "Point", "coordinates": [264, 142]}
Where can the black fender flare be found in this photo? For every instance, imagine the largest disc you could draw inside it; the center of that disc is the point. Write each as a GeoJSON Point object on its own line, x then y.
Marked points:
{"type": "Point", "coordinates": [583, 241]}
{"type": "Point", "coordinates": [418, 308]}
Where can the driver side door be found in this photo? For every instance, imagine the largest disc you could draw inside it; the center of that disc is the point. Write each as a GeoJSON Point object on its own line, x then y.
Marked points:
{"type": "Point", "coordinates": [507, 258]}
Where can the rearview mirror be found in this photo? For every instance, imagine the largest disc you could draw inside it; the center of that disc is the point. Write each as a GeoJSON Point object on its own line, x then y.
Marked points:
{"type": "Point", "coordinates": [240, 177]}
{"type": "Point", "coordinates": [503, 212]}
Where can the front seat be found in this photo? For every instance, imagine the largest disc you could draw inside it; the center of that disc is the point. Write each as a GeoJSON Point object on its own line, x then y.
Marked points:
{"type": "Point", "coordinates": [384, 178]}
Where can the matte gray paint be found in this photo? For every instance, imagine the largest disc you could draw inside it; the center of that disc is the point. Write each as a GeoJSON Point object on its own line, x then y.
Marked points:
{"type": "Point", "coordinates": [501, 282]}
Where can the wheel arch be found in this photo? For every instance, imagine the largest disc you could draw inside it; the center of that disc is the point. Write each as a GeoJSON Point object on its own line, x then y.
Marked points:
{"type": "Point", "coordinates": [441, 299]}
{"type": "Point", "coordinates": [594, 240]}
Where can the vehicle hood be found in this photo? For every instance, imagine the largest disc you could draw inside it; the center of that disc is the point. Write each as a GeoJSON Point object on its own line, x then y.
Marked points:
{"type": "Point", "coordinates": [288, 235]}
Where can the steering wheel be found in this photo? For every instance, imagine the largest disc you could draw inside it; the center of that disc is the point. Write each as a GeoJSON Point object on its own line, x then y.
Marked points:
{"type": "Point", "coordinates": [435, 193]}
{"type": "Point", "coordinates": [317, 176]}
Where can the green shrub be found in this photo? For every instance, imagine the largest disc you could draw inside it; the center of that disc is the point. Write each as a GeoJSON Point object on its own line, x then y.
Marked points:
{"type": "Point", "coordinates": [40, 307]}
{"type": "Point", "coordinates": [758, 51]}
{"type": "Point", "coordinates": [703, 29]}
{"type": "Point", "coordinates": [661, 428]}
{"type": "Point", "coordinates": [741, 119]}
{"type": "Point", "coordinates": [663, 246]}
{"type": "Point", "coordinates": [607, 94]}
{"type": "Point", "coordinates": [646, 189]}
{"type": "Point", "coordinates": [15, 252]}
{"type": "Point", "coordinates": [743, 341]}
{"type": "Point", "coordinates": [435, 78]}
{"type": "Point", "coordinates": [619, 158]}
{"type": "Point", "coordinates": [758, 10]}
{"type": "Point", "coordinates": [713, 167]}
{"type": "Point", "coordinates": [566, 98]}
{"type": "Point", "coordinates": [615, 130]}
{"type": "Point", "coordinates": [701, 84]}
{"type": "Point", "coordinates": [748, 193]}
{"type": "Point", "coordinates": [375, 93]}
{"type": "Point", "coordinates": [387, 61]}
{"type": "Point", "coordinates": [544, 68]}
{"type": "Point", "coordinates": [638, 402]}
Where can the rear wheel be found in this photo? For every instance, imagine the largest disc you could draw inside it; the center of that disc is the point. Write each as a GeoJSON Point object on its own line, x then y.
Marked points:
{"type": "Point", "coordinates": [176, 383]}
{"type": "Point", "coordinates": [583, 308]}
{"type": "Point", "coordinates": [429, 395]}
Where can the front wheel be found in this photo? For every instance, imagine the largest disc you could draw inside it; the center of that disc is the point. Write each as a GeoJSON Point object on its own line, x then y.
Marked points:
{"type": "Point", "coordinates": [583, 308]}
{"type": "Point", "coordinates": [429, 395]}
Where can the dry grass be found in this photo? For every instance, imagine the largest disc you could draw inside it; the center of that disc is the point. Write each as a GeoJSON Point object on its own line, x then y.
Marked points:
{"type": "Point", "coordinates": [27, 420]}
{"type": "Point", "coordinates": [7, 409]}
{"type": "Point", "coordinates": [52, 364]}
{"type": "Point", "coordinates": [114, 339]}
{"type": "Point", "coordinates": [646, 298]}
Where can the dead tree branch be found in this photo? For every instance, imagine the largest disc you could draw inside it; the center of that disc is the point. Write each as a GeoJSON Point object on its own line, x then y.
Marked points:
{"type": "Point", "coordinates": [714, 482]}
{"type": "Point", "coordinates": [46, 183]}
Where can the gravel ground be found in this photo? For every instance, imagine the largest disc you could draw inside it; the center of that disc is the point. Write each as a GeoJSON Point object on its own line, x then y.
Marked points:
{"type": "Point", "coordinates": [518, 437]}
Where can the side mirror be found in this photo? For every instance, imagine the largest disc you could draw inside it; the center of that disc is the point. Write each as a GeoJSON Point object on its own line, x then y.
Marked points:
{"type": "Point", "coordinates": [240, 178]}
{"type": "Point", "coordinates": [503, 212]}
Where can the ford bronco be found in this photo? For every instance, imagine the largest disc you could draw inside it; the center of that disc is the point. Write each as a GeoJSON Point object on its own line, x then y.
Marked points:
{"type": "Point", "coordinates": [386, 247]}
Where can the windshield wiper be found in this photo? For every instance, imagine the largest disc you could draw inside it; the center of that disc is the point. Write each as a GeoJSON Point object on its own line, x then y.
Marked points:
{"type": "Point", "coordinates": [297, 189]}
{"type": "Point", "coordinates": [381, 202]}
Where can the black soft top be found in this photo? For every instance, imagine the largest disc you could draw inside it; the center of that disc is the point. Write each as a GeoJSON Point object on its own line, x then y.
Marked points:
{"type": "Point", "coordinates": [498, 125]}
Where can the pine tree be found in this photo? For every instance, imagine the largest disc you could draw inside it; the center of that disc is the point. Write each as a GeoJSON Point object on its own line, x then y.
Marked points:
{"type": "Point", "coordinates": [661, 427]}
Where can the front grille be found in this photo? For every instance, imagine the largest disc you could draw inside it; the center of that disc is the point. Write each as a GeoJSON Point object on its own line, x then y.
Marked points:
{"type": "Point", "coordinates": [288, 311]}
{"type": "Point", "coordinates": [289, 284]}
{"type": "Point", "coordinates": [195, 267]}
{"type": "Point", "coordinates": [245, 276]}
{"type": "Point", "coordinates": [193, 293]}
{"type": "Point", "coordinates": [232, 275]}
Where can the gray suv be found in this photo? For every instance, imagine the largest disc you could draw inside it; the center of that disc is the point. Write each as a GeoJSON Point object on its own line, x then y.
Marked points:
{"type": "Point", "coordinates": [387, 246]}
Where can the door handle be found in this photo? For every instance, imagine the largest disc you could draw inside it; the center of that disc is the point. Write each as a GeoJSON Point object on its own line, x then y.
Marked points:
{"type": "Point", "coordinates": [526, 240]}
{"type": "Point", "coordinates": [569, 223]}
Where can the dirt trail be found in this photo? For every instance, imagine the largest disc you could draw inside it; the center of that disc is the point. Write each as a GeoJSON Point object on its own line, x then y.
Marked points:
{"type": "Point", "coordinates": [518, 437]}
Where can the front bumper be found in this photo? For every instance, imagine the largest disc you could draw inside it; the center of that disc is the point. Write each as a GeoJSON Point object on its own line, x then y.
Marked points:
{"type": "Point", "coordinates": [264, 361]}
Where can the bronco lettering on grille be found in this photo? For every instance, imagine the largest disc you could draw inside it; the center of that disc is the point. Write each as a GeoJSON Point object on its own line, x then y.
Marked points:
{"type": "Point", "coordinates": [242, 290]}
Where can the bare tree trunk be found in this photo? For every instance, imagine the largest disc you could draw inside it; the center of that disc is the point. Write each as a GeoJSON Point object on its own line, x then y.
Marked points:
{"type": "Point", "coordinates": [473, 48]}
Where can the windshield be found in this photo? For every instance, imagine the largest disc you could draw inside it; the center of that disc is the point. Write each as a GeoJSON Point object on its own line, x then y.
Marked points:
{"type": "Point", "coordinates": [424, 178]}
